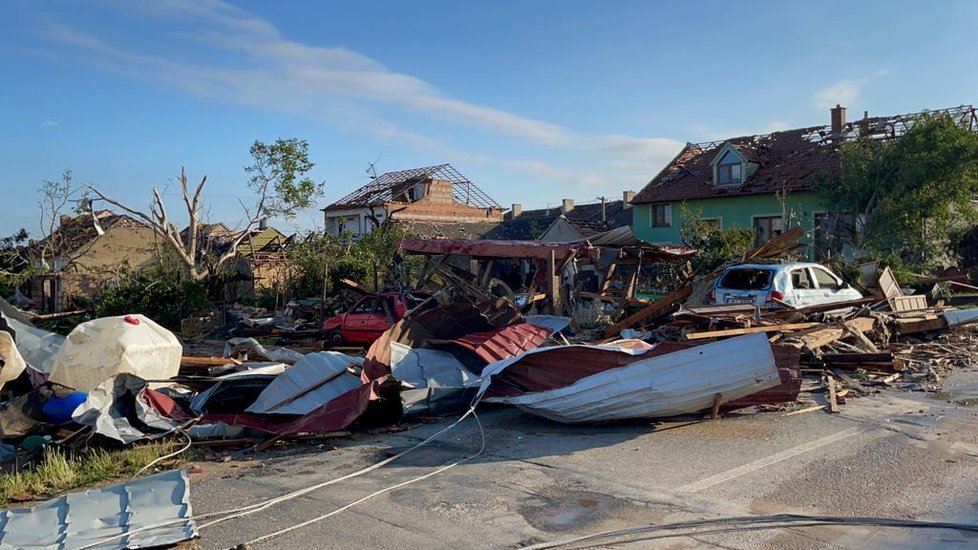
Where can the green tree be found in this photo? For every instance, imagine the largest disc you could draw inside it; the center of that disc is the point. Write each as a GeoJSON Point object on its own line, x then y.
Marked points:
{"type": "Point", "coordinates": [909, 194]}
{"type": "Point", "coordinates": [277, 177]}
{"type": "Point", "coordinates": [715, 245]}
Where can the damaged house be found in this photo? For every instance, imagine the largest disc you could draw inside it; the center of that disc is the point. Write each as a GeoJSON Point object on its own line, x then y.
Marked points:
{"type": "Point", "coordinates": [424, 200]}
{"type": "Point", "coordinates": [86, 252]}
{"type": "Point", "coordinates": [763, 182]}
{"type": "Point", "coordinates": [260, 260]}
{"type": "Point", "coordinates": [565, 223]}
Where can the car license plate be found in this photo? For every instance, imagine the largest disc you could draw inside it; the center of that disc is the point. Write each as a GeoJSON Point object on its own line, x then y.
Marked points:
{"type": "Point", "coordinates": [740, 300]}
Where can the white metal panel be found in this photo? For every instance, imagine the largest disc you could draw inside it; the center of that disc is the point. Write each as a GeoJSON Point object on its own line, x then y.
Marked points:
{"type": "Point", "coordinates": [311, 382]}
{"type": "Point", "coordinates": [146, 512]}
{"type": "Point", "coordinates": [675, 383]}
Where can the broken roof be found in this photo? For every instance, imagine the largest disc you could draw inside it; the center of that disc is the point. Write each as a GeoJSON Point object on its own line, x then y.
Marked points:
{"type": "Point", "coordinates": [586, 219]}
{"type": "Point", "coordinates": [385, 187]}
{"type": "Point", "coordinates": [789, 160]}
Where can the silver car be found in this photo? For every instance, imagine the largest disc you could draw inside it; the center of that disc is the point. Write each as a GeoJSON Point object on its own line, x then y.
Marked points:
{"type": "Point", "coordinates": [797, 284]}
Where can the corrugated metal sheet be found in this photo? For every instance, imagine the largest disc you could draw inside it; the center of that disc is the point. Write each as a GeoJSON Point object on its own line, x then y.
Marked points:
{"type": "Point", "coordinates": [955, 317]}
{"type": "Point", "coordinates": [146, 512]}
{"type": "Point", "coordinates": [647, 385]}
{"type": "Point", "coordinates": [311, 382]}
{"type": "Point", "coordinates": [496, 345]}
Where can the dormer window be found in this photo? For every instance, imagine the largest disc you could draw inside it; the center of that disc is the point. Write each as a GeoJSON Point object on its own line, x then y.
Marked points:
{"type": "Point", "coordinates": [729, 173]}
{"type": "Point", "coordinates": [730, 168]}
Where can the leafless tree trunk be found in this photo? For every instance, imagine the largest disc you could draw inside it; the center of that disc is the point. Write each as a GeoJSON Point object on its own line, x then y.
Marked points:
{"type": "Point", "coordinates": [188, 250]}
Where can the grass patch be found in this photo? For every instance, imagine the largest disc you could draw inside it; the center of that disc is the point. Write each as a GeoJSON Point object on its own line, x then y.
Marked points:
{"type": "Point", "coordinates": [58, 472]}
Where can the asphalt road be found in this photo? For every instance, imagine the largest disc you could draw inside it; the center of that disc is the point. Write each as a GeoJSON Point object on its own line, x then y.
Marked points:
{"type": "Point", "coordinates": [896, 454]}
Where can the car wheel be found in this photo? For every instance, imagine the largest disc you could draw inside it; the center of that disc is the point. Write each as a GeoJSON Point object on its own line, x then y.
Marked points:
{"type": "Point", "coordinates": [333, 338]}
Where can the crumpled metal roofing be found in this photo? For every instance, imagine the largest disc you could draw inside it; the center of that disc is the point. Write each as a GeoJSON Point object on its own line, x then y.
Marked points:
{"type": "Point", "coordinates": [314, 380]}
{"type": "Point", "coordinates": [506, 342]}
{"type": "Point", "coordinates": [146, 512]}
{"type": "Point", "coordinates": [642, 386]}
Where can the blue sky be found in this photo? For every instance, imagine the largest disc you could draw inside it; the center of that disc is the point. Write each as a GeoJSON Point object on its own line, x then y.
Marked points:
{"type": "Point", "coordinates": [534, 101]}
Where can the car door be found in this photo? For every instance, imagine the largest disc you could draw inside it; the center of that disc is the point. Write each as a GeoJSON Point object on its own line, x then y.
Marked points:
{"type": "Point", "coordinates": [355, 323]}
{"type": "Point", "coordinates": [803, 290]}
{"type": "Point", "coordinates": [831, 288]}
{"type": "Point", "coordinates": [380, 319]}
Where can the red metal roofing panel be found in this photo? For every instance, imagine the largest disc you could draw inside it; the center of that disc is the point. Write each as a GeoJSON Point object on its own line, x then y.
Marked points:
{"type": "Point", "coordinates": [496, 345]}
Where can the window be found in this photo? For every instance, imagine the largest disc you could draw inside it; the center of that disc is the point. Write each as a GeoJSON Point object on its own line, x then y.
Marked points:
{"type": "Point", "coordinates": [661, 215]}
{"type": "Point", "coordinates": [824, 278]}
{"type": "Point", "coordinates": [418, 192]}
{"type": "Point", "coordinates": [729, 174]}
{"type": "Point", "coordinates": [367, 305]}
{"type": "Point", "coordinates": [747, 278]}
{"type": "Point", "coordinates": [766, 228]}
{"type": "Point", "coordinates": [800, 280]}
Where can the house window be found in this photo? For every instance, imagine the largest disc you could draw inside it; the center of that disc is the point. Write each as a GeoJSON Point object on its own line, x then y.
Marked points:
{"type": "Point", "coordinates": [729, 173]}
{"type": "Point", "coordinates": [661, 215]}
{"type": "Point", "coordinates": [766, 228]}
{"type": "Point", "coordinates": [417, 192]}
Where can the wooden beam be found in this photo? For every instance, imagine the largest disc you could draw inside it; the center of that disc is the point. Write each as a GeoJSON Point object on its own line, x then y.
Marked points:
{"type": "Point", "coordinates": [865, 343]}
{"type": "Point", "coordinates": [655, 309]}
{"type": "Point", "coordinates": [749, 330]}
{"type": "Point", "coordinates": [715, 411]}
{"type": "Point", "coordinates": [821, 337]}
{"type": "Point", "coordinates": [833, 399]}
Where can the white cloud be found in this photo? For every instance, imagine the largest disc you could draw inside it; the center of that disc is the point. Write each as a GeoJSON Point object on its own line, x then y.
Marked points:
{"type": "Point", "coordinates": [331, 83]}
{"type": "Point", "coordinates": [844, 92]}
{"type": "Point", "coordinates": [48, 124]}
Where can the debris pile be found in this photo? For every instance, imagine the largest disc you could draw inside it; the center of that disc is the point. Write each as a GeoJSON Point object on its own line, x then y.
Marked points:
{"type": "Point", "coordinates": [599, 330]}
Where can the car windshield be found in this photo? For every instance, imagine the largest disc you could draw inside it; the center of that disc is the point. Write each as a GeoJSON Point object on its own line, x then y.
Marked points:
{"type": "Point", "coordinates": [747, 278]}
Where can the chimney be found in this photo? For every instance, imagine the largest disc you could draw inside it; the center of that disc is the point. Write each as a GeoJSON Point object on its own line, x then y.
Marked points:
{"type": "Point", "coordinates": [567, 205]}
{"type": "Point", "coordinates": [65, 219]}
{"type": "Point", "coordinates": [838, 118]}
{"type": "Point", "coordinates": [263, 224]}
{"type": "Point", "coordinates": [626, 198]}
{"type": "Point", "coordinates": [516, 211]}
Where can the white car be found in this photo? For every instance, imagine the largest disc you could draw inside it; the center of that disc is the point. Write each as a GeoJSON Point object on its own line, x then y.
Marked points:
{"type": "Point", "coordinates": [796, 284]}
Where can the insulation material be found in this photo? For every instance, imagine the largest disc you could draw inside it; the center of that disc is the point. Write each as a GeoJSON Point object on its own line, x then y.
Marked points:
{"type": "Point", "coordinates": [313, 381]}
{"type": "Point", "coordinates": [146, 512]}
{"type": "Point", "coordinates": [620, 383]}
{"type": "Point", "coordinates": [100, 349]}
{"type": "Point", "coordinates": [37, 346]}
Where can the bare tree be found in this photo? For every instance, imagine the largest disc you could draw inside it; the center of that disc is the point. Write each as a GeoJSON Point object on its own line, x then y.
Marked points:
{"type": "Point", "coordinates": [55, 200]}
{"type": "Point", "coordinates": [278, 182]}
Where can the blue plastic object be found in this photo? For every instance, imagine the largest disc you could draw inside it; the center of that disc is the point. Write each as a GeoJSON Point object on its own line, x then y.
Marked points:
{"type": "Point", "coordinates": [59, 409]}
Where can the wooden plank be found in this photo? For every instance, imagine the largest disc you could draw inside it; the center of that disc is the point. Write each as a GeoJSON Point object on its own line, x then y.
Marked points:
{"type": "Point", "coordinates": [750, 330]}
{"type": "Point", "coordinates": [916, 302]}
{"type": "Point", "coordinates": [655, 309]}
{"type": "Point", "coordinates": [833, 399]}
{"type": "Point", "coordinates": [824, 336]}
{"type": "Point", "coordinates": [889, 285]}
{"type": "Point", "coordinates": [849, 358]}
{"type": "Point", "coordinates": [912, 326]}
{"type": "Point", "coordinates": [865, 343]}
{"type": "Point", "coordinates": [715, 411]}
{"type": "Point", "coordinates": [805, 410]}
{"type": "Point", "coordinates": [851, 382]}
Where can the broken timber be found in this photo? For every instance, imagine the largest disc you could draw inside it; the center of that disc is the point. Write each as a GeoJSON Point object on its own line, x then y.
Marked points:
{"type": "Point", "coordinates": [824, 336]}
{"type": "Point", "coordinates": [750, 330]}
{"type": "Point", "coordinates": [655, 309]}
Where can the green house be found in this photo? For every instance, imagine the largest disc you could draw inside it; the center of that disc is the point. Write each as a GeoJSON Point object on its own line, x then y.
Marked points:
{"type": "Point", "coordinates": [761, 182]}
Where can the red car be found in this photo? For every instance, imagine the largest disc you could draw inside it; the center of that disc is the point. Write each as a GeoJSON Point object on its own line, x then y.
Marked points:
{"type": "Point", "coordinates": [371, 316]}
